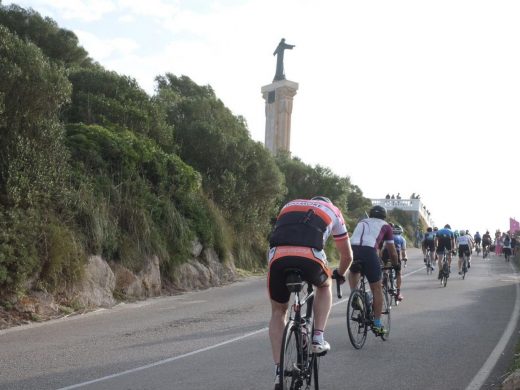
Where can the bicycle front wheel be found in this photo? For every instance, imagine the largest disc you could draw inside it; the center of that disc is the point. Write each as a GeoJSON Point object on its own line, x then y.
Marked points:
{"type": "Point", "coordinates": [315, 371]}
{"type": "Point", "coordinates": [291, 358]}
{"type": "Point", "coordinates": [357, 324]}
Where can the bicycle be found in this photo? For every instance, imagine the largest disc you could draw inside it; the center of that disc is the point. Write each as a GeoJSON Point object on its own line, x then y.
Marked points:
{"type": "Point", "coordinates": [298, 365]}
{"type": "Point", "coordinates": [477, 248]}
{"type": "Point", "coordinates": [445, 269]}
{"type": "Point", "coordinates": [429, 267]}
{"type": "Point", "coordinates": [389, 285]}
{"type": "Point", "coordinates": [464, 265]}
{"type": "Point", "coordinates": [485, 251]}
{"type": "Point", "coordinates": [360, 314]}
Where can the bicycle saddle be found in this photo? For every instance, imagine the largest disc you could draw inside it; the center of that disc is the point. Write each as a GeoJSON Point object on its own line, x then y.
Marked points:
{"type": "Point", "coordinates": [293, 279]}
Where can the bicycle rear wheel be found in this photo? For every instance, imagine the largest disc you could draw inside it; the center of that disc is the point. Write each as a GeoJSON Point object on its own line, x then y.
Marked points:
{"type": "Point", "coordinates": [357, 325]}
{"type": "Point", "coordinates": [291, 358]}
{"type": "Point", "coordinates": [386, 293]}
{"type": "Point", "coordinates": [464, 268]}
{"type": "Point", "coordinates": [385, 317]}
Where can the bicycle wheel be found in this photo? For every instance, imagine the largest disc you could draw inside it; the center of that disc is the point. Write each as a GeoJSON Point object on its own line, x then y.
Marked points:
{"type": "Point", "coordinates": [385, 317]}
{"type": "Point", "coordinates": [356, 319]}
{"type": "Point", "coordinates": [315, 371]}
{"type": "Point", "coordinates": [386, 293]}
{"type": "Point", "coordinates": [428, 266]}
{"type": "Point", "coordinates": [464, 267]}
{"type": "Point", "coordinates": [445, 273]}
{"type": "Point", "coordinates": [291, 358]}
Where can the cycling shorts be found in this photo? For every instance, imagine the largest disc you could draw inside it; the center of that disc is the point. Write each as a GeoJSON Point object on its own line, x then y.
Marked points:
{"type": "Point", "coordinates": [442, 245]}
{"type": "Point", "coordinates": [429, 244]}
{"type": "Point", "coordinates": [314, 269]}
{"type": "Point", "coordinates": [370, 265]}
{"type": "Point", "coordinates": [464, 249]}
{"type": "Point", "coordinates": [385, 256]}
{"type": "Point", "coordinates": [478, 241]}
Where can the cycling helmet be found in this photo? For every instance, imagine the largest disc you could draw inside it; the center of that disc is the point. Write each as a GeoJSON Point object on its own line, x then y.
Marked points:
{"type": "Point", "coordinates": [462, 232]}
{"type": "Point", "coordinates": [435, 228]}
{"type": "Point", "coordinates": [467, 231]}
{"type": "Point", "coordinates": [447, 226]}
{"type": "Point", "coordinates": [377, 212]}
{"type": "Point", "coordinates": [429, 229]}
{"type": "Point", "coordinates": [322, 198]}
{"type": "Point", "coordinates": [397, 229]}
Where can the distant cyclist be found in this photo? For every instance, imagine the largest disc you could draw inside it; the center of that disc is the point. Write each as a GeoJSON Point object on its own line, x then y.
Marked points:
{"type": "Point", "coordinates": [368, 236]}
{"type": "Point", "coordinates": [444, 241]}
{"type": "Point", "coordinates": [400, 247]}
{"type": "Point", "coordinates": [301, 230]}
{"type": "Point", "coordinates": [486, 242]}
{"type": "Point", "coordinates": [507, 245]}
{"type": "Point", "coordinates": [429, 243]}
{"type": "Point", "coordinates": [478, 241]}
{"type": "Point", "coordinates": [464, 248]}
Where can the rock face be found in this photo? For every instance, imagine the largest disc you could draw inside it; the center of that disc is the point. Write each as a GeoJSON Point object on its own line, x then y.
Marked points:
{"type": "Point", "coordinates": [512, 382]}
{"type": "Point", "coordinates": [102, 282]}
{"type": "Point", "coordinates": [147, 283]}
{"type": "Point", "coordinates": [97, 287]}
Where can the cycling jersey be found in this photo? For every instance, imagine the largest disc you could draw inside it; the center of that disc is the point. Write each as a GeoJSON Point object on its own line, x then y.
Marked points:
{"type": "Point", "coordinates": [308, 223]}
{"type": "Point", "coordinates": [477, 238]}
{"type": "Point", "coordinates": [372, 232]}
{"type": "Point", "coordinates": [429, 236]}
{"type": "Point", "coordinates": [486, 239]}
{"type": "Point", "coordinates": [302, 228]}
{"type": "Point", "coordinates": [444, 237]}
{"type": "Point", "coordinates": [463, 240]}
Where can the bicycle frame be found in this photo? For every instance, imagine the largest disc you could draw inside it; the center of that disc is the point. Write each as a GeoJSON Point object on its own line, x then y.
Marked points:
{"type": "Point", "coordinates": [300, 372]}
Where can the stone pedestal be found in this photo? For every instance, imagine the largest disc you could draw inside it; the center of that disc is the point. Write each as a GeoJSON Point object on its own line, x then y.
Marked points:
{"type": "Point", "coordinates": [278, 108]}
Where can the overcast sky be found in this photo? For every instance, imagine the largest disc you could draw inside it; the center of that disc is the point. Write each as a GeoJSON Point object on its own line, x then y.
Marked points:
{"type": "Point", "coordinates": [401, 96]}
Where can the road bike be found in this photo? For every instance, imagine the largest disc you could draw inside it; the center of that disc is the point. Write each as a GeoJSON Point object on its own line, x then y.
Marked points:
{"type": "Point", "coordinates": [389, 285]}
{"type": "Point", "coordinates": [445, 269]}
{"type": "Point", "coordinates": [428, 258]}
{"type": "Point", "coordinates": [485, 251]}
{"type": "Point", "coordinates": [360, 313]}
{"type": "Point", "coordinates": [477, 248]}
{"type": "Point", "coordinates": [298, 365]}
{"type": "Point", "coordinates": [464, 265]}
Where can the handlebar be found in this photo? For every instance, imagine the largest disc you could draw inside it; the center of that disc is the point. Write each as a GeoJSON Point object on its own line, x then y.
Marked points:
{"type": "Point", "coordinates": [339, 279]}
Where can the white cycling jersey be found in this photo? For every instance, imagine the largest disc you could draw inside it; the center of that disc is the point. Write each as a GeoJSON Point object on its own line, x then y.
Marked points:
{"type": "Point", "coordinates": [463, 240]}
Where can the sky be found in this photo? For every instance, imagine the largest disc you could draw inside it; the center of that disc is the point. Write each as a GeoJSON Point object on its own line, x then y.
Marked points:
{"type": "Point", "coordinates": [401, 96]}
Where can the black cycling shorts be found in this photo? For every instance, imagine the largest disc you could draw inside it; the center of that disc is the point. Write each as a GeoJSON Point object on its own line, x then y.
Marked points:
{"type": "Point", "coordinates": [464, 249]}
{"type": "Point", "coordinates": [313, 271]}
{"type": "Point", "coordinates": [429, 244]}
{"type": "Point", "coordinates": [369, 262]}
{"type": "Point", "coordinates": [442, 245]}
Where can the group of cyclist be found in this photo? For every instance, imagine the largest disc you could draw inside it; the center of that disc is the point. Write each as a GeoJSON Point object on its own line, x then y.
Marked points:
{"type": "Point", "coordinates": [297, 241]}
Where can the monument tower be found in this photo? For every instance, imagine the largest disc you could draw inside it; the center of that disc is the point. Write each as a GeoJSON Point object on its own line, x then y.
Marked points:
{"type": "Point", "coordinates": [278, 98]}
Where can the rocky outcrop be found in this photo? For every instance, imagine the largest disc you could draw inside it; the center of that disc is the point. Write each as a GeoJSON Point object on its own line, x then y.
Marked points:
{"type": "Point", "coordinates": [512, 382]}
{"type": "Point", "coordinates": [97, 287]}
{"type": "Point", "coordinates": [145, 284]}
{"type": "Point", "coordinates": [103, 285]}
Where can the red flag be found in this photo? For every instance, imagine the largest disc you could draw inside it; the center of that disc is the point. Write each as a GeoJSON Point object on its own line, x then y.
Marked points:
{"type": "Point", "coordinates": [514, 225]}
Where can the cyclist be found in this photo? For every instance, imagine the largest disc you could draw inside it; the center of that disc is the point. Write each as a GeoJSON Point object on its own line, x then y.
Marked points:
{"type": "Point", "coordinates": [477, 240]}
{"type": "Point", "coordinates": [507, 245]}
{"type": "Point", "coordinates": [400, 247]}
{"type": "Point", "coordinates": [464, 246]}
{"type": "Point", "coordinates": [297, 240]}
{"type": "Point", "coordinates": [444, 241]}
{"type": "Point", "coordinates": [471, 247]}
{"type": "Point", "coordinates": [368, 236]}
{"type": "Point", "coordinates": [486, 241]}
{"type": "Point", "coordinates": [429, 243]}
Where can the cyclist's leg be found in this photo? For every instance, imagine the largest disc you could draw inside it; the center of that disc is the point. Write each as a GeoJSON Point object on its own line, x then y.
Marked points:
{"type": "Point", "coordinates": [461, 256]}
{"type": "Point", "coordinates": [279, 303]}
{"type": "Point", "coordinates": [432, 256]}
{"type": "Point", "coordinates": [322, 305]}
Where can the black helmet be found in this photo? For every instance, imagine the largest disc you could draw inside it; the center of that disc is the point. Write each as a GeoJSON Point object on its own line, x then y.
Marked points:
{"type": "Point", "coordinates": [429, 229]}
{"type": "Point", "coordinates": [377, 212]}
{"type": "Point", "coordinates": [322, 198]}
{"type": "Point", "coordinates": [447, 226]}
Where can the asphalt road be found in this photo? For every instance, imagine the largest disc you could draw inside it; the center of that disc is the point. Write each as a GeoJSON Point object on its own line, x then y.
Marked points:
{"type": "Point", "coordinates": [458, 337]}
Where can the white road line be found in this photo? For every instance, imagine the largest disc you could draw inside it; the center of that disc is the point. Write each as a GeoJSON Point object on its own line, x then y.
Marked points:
{"type": "Point", "coordinates": [491, 361]}
{"type": "Point", "coordinates": [160, 362]}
